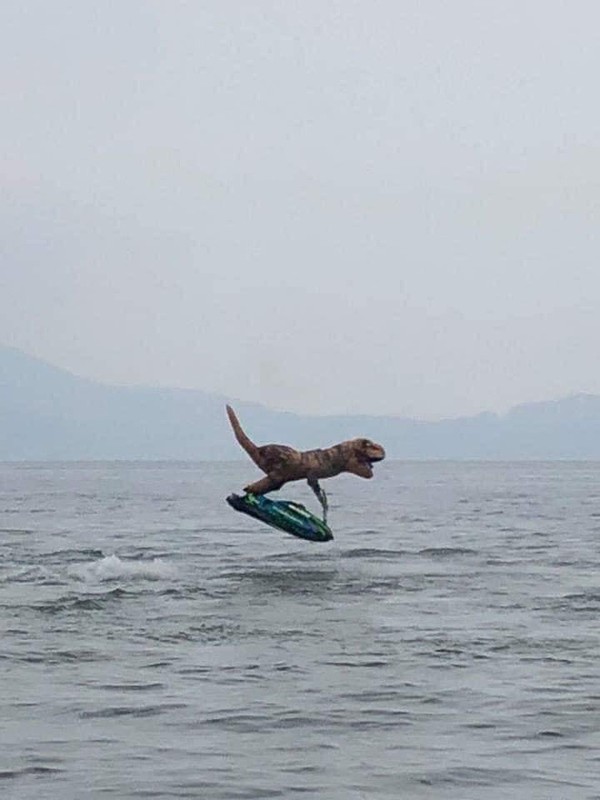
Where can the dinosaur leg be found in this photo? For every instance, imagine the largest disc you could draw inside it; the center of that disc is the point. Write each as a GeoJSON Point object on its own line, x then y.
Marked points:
{"type": "Point", "coordinates": [321, 496]}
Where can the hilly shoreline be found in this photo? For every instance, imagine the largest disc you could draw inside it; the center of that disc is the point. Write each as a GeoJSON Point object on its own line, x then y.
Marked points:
{"type": "Point", "coordinates": [47, 413]}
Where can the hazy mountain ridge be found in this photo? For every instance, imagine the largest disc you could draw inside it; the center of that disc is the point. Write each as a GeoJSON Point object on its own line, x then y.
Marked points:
{"type": "Point", "coordinates": [47, 413]}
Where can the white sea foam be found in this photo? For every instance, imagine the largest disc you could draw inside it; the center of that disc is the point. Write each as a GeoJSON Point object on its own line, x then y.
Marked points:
{"type": "Point", "coordinates": [112, 568]}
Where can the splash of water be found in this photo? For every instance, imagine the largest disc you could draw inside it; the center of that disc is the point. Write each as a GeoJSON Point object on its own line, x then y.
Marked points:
{"type": "Point", "coordinates": [113, 568]}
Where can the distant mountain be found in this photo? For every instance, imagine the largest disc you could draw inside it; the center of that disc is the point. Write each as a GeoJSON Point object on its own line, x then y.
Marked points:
{"type": "Point", "coordinates": [46, 413]}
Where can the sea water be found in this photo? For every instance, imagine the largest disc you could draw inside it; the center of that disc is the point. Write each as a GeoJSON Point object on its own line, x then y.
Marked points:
{"type": "Point", "coordinates": [155, 644]}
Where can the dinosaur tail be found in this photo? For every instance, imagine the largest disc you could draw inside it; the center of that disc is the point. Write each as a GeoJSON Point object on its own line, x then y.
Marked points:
{"type": "Point", "coordinates": [246, 443]}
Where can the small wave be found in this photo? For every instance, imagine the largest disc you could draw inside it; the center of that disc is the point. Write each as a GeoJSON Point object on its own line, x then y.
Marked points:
{"type": "Point", "coordinates": [129, 687]}
{"type": "Point", "coordinates": [35, 573]}
{"type": "Point", "coordinates": [7, 774]}
{"type": "Point", "coordinates": [70, 554]}
{"type": "Point", "coordinates": [131, 711]}
{"type": "Point", "coordinates": [586, 601]}
{"type": "Point", "coordinates": [444, 552]}
{"type": "Point", "coordinates": [372, 552]}
{"type": "Point", "coordinates": [60, 657]}
{"type": "Point", "coordinates": [472, 776]}
{"type": "Point", "coordinates": [113, 568]}
{"type": "Point", "coordinates": [589, 596]}
{"type": "Point", "coordinates": [72, 602]}
{"type": "Point", "coordinates": [16, 531]}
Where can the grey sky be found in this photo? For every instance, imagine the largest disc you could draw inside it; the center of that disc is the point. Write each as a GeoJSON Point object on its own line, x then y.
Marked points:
{"type": "Point", "coordinates": [324, 206]}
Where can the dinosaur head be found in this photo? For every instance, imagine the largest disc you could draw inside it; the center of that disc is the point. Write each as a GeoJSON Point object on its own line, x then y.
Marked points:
{"type": "Point", "coordinates": [366, 454]}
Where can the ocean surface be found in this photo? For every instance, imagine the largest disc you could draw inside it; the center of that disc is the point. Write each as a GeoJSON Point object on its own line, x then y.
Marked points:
{"type": "Point", "coordinates": [156, 644]}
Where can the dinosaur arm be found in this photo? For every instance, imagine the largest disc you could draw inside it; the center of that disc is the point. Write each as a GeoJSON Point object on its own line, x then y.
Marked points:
{"type": "Point", "coordinates": [264, 485]}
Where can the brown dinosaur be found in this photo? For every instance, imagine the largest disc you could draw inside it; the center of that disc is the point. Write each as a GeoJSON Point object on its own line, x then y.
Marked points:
{"type": "Point", "coordinates": [283, 464]}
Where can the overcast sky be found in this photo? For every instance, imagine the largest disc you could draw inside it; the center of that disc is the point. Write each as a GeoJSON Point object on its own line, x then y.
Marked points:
{"type": "Point", "coordinates": [374, 206]}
